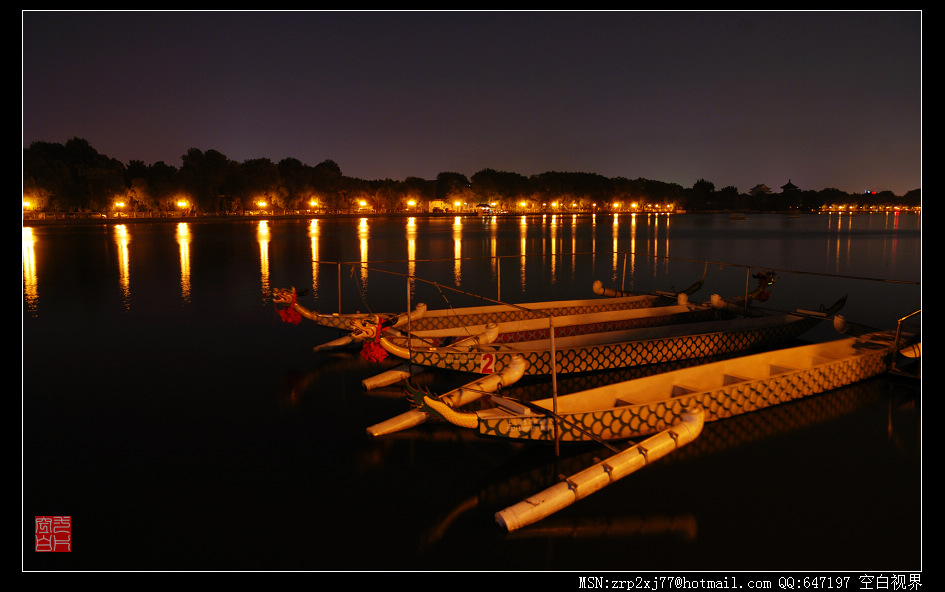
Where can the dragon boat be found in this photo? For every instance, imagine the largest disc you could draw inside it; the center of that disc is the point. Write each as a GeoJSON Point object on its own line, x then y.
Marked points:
{"type": "Point", "coordinates": [364, 327]}
{"type": "Point", "coordinates": [582, 323]}
{"type": "Point", "coordinates": [648, 405]}
{"type": "Point", "coordinates": [530, 329]}
{"type": "Point", "coordinates": [615, 349]}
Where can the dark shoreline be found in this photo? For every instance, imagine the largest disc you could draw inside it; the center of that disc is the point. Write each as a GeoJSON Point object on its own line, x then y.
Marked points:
{"type": "Point", "coordinates": [85, 221]}
{"type": "Point", "coordinates": [88, 219]}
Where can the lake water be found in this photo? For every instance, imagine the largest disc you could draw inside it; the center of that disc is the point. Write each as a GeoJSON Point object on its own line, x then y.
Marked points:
{"type": "Point", "coordinates": [183, 426]}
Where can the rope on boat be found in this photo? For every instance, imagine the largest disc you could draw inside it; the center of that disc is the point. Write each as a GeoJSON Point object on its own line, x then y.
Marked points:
{"type": "Point", "coordinates": [449, 305]}
{"type": "Point", "coordinates": [367, 306]}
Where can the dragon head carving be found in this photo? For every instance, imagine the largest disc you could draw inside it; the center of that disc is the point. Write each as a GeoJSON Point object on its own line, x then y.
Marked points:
{"type": "Point", "coordinates": [283, 296]}
{"type": "Point", "coordinates": [364, 329]}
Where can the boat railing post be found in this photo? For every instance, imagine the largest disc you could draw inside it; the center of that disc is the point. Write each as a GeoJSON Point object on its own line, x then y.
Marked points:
{"type": "Point", "coordinates": [554, 379]}
{"type": "Point", "coordinates": [409, 323]}
{"type": "Point", "coordinates": [623, 274]}
{"type": "Point", "coordinates": [339, 288]}
{"type": "Point", "coordinates": [892, 365]}
{"type": "Point", "coordinates": [498, 277]}
{"type": "Point", "coordinates": [747, 286]}
{"type": "Point", "coordinates": [895, 350]}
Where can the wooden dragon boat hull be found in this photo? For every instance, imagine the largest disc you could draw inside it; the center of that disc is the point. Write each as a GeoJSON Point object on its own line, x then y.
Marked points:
{"type": "Point", "coordinates": [424, 319]}
{"type": "Point", "coordinates": [535, 329]}
{"type": "Point", "coordinates": [648, 405]}
{"type": "Point", "coordinates": [454, 318]}
{"type": "Point", "coordinates": [609, 350]}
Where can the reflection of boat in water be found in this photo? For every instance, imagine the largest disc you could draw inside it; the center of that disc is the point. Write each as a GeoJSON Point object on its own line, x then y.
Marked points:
{"type": "Point", "coordinates": [299, 383]}
{"type": "Point", "coordinates": [684, 526]}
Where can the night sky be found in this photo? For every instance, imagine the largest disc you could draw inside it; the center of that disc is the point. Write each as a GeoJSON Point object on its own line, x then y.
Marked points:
{"type": "Point", "coordinates": [825, 99]}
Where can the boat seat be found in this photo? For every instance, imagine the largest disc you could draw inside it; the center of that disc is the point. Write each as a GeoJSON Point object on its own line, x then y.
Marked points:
{"type": "Point", "coordinates": [728, 379]}
{"type": "Point", "coordinates": [509, 405]}
{"type": "Point", "coordinates": [871, 345]}
{"type": "Point", "coordinates": [774, 370]}
{"type": "Point", "coordinates": [680, 390]}
{"type": "Point", "coordinates": [875, 340]}
{"type": "Point", "coordinates": [818, 360]}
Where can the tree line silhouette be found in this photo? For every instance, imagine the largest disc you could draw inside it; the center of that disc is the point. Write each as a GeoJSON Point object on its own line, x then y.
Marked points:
{"type": "Point", "coordinates": [74, 177]}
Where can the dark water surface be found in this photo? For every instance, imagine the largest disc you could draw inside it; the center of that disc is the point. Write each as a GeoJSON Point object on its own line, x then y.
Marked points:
{"type": "Point", "coordinates": [183, 426]}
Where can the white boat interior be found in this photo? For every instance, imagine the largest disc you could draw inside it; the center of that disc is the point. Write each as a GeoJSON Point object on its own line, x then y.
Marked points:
{"type": "Point", "coordinates": [706, 377]}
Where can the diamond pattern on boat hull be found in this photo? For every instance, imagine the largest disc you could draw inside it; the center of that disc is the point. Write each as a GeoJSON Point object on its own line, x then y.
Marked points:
{"type": "Point", "coordinates": [694, 316]}
{"type": "Point", "coordinates": [618, 355]}
{"type": "Point", "coordinates": [427, 323]}
{"type": "Point", "coordinates": [632, 421]}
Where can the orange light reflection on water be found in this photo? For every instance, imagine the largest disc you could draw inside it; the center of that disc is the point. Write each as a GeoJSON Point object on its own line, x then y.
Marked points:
{"type": "Point", "coordinates": [122, 239]}
{"type": "Point", "coordinates": [30, 282]}
{"type": "Point", "coordinates": [183, 240]}
{"type": "Point", "coordinates": [262, 235]}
